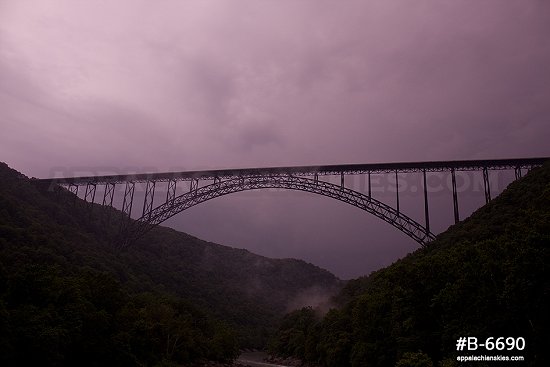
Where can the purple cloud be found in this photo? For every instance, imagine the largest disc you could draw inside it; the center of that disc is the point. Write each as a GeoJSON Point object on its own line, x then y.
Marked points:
{"type": "Point", "coordinates": [214, 84]}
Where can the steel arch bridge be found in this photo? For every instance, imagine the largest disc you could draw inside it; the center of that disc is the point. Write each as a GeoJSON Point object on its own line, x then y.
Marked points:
{"type": "Point", "coordinates": [385, 212]}
{"type": "Point", "coordinates": [217, 183]}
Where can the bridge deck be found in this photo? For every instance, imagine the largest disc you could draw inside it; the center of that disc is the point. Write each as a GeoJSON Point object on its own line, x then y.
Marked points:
{"type": "Point", "coordinates": [346, 169]}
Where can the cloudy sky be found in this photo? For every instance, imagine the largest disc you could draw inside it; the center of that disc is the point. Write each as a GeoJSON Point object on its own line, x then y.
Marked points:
{"type": "Point", "coordinates": [135, 85]}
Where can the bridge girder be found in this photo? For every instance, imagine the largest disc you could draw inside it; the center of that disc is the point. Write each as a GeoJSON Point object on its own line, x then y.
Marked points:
{"type": "Point", "coordinates": [307, 171]}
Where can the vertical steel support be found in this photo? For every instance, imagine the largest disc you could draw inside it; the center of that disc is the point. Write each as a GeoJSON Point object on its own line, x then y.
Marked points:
{"type": "Point", "coordinates": [126, 212]}
{"type": "Point", "coordinates": [128, 200]}
{"type": "Point", "coordinates": [486, 185]}
{"type": "Point", "coordinates": [316, 178]}
{"type": "Point", "coordinates": [109, 194]}
{"type": "Point", "coordinates": [90, 192]}
{"type": "Point", "coordinates": [108, 197]}
{"type": "Point", "coordinates": [193, 184]}
{"type": "Point", "coordinates": [149, 199]}
{"type": "Point", "coordinates": [342, 180]}
{"type": "Point", "coordinates": [397, 190]}
{"type": "Point", "coordinates": [370, 192]}
{"type": "Point", "coordinates": [171, 192]}
{"type": "Point", "coordinates": [518, 172]}
{"type": "Point", "coordinates": [455, 196]}
{"type": "Point", "coordinates": [426, 208]}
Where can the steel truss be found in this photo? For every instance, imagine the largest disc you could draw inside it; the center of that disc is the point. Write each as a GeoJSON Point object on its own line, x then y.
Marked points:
{"type": "Point", "coordinates": [125, 222]}
{"type": "Point", "coordinates": [199, 195]}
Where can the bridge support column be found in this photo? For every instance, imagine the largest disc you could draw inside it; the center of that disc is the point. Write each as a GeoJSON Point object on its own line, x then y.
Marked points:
{"type": "Point", "coordinates": [128, 198]}
{"type": "Point", "coordinates": [193, 184]}
{"type": "Point", "coordinates": [126, 212]}
{"type": "Point", "coordinates": [90, 194]}
{"type": "Point", "coordinates": [426, 208]}
{"type": "Point", "coordinates": [341, 180]}
{"type": "Point", "coordinates": [486, 185]}
{"type": "Point", "coordinates": [108, 197]}
{"type": "Point", "coordinates": [109, 194]}
{"type": "Point", "coordinates": [171, 192]}
{"type": "Point", "coordinates": [316, 178]}
{"type": "Point", "coordinates": [149, 198]}
{"type": "Point", "coordinates": [397, 191]}
{"type": "Point", "coordinates": [370, 191]}
{"type": "Point", "coordinates": [455, 196]}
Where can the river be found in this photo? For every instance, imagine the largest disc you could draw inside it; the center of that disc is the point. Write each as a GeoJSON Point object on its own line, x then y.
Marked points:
{"type": "Point", "coordinates": [255, 359]}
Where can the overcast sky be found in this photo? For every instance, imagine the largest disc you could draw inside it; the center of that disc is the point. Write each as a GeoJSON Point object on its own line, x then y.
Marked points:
{"type": "Point", "coordinates": [135, 85]}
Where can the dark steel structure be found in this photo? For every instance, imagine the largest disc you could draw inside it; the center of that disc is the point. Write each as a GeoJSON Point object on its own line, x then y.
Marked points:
{"type": "Point", "coordinates": [210, 184]}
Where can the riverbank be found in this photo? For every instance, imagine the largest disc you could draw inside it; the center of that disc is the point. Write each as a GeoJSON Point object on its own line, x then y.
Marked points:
{"type": "Point", "coordinates": [256, 359]}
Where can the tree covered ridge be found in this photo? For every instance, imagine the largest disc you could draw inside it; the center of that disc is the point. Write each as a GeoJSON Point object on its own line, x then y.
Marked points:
{"type": "Point", "coordinates": [486, 276]}
{"type": "Point", "coordinates": [68, 298]}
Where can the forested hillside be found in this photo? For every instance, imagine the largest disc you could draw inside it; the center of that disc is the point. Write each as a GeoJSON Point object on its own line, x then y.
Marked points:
{"type": "Point", "coordinates": [487, 276]}
{"type": "Point", "coordinates": [69, 297]}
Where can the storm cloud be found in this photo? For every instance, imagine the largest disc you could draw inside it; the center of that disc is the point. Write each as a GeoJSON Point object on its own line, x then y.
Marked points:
{"type": "Point", "coordinates": [220, 84]}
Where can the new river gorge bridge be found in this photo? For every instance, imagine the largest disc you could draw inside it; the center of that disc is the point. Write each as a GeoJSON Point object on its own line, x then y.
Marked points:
{"type": "Point", "coordinates": [201, 186]}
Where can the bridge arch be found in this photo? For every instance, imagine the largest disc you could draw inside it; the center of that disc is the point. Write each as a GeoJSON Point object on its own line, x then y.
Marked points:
{"type": "Point", "coordinates": [277, 181]}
